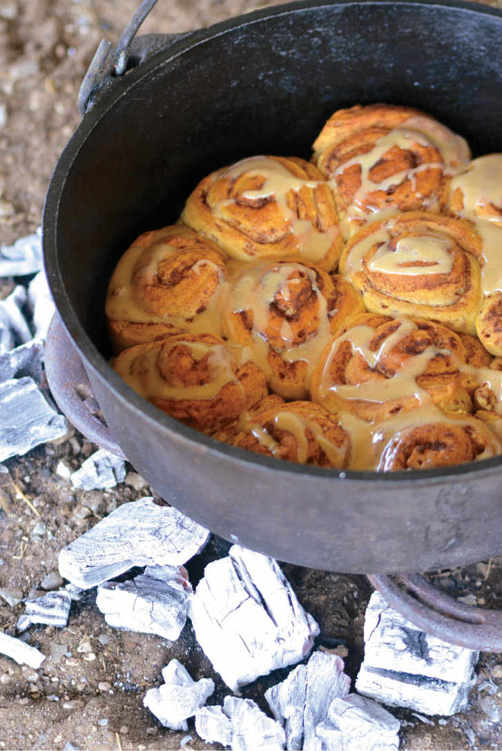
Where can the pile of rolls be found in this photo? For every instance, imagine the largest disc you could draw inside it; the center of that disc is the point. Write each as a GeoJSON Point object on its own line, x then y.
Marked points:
{"type": "Point", "coordinates": [344, 312]}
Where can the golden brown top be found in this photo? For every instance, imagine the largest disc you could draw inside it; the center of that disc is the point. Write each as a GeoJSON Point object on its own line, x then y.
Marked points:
{"type": "Point", "coordinates": [385, 158]}
{"type": "Point", "coordinates": [195, 378]}
{"type": "Point", "coordinates": [299, 431]}
{"type": "Point", "coordinates": [268, 207]}
{"type": "Point", "coordinates": [283, 313]}
{"type": "Point", "coordinates": [418, 264]}
{"type": "Point", "coordinates": [169, 278]}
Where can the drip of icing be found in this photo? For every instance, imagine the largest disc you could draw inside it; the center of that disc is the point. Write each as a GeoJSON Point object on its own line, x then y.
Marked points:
{"type": "Point", "coordinates": [452, 147]}
{"type": "Point", "coordinates": [414, 256]}
{"type": "Point", "coordinates": [298, 426]}
{"type": "Point", "coordinates": [419, 129]}
{"type": "Point", "coordinates": [402, 384]}
{"type": "Point", "coordinates": [398, 137]}
{"type": "Point", "coordinates": [278, 182]}
{"type": "Point", "coordinates": [255, 290]}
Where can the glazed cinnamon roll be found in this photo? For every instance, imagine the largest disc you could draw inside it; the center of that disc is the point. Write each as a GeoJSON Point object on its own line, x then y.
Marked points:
{"type": "Point", "coordinates": [418, 264]}
{"type": "Point", "coordinates": [476, 194]}
{"type": "Point", "coordinates": [268, 207]}
{"type": "Point", "coordinates": [299, 431]}
{"type": "Point", "coordinates": [168, 281]}
{"type": "Point", "coordinates": [283, 313]}
{"type": "Point", "coordinates": [195, 378]}
{"type": "Point", "coordinates": [383, 158]}
{"type": "Point", "coordinates": [441, 443]}
{"type": "Point", "coordinates": [381, 367]}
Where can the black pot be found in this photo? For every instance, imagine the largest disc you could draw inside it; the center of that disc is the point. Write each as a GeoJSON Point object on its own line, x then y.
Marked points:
{"type": "Point", "coordinates": [265, 83]}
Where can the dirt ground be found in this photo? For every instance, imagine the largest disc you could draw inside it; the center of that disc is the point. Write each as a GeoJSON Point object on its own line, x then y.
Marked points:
{"type": "Point", "coordinates": [89, 690]}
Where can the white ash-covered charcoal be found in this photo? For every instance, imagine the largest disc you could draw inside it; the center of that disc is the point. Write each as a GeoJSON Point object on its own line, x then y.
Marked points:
{"type": "Point", "coordinates": [431, 696]}
{"type": "Point", "coordinates": [355, 723]}
{"type": "Point", "coordinates": [23, 257]}
{"type": "Point", "coordinates": [404, 666]}
{"type": "Point", "coordinates": [15, 329]}
{"type": "Point", "coordinates": [247, 619]}
{"type": "Point", "coordinates": [25, 360]}
{"type": "Point", "coordinates": [26, 418]}
{"type": "Point", "coordinates": [179, 697]}
{"type": "Point", "coordinates": [213, 725]}
{"type": "Point", "coordinates": [101, 471]}
{"type": "Point", "coordinates": [19, 651]}
{"type": "Point", "coordinates": [53, 609]}
{"type": "Point", "coordinates": [155, 602]}
{"type": "Point", "coordinates": [391, 642]}
{"type": "Point", "coordinates": [302, 700]}
{"type": "Point", "coordinates": [140, 533]}
{"type": "Point", "coordinates": [41, 305]}
{"type": "Point", "coordinates": [252, 730]}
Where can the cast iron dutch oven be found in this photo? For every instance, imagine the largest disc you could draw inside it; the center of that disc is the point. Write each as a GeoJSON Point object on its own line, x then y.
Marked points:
{"type": "Point", "coordinates": [265, 83]}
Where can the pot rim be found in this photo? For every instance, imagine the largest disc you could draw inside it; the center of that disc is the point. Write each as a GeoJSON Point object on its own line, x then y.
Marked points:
{"type": "Point", "coordinates": [96, 362]}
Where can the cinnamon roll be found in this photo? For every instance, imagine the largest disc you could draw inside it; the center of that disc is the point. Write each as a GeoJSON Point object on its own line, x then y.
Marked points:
{"type": "Point", "coordinates": [168, 281]}
{"type": "Point", "coordinates": [442, 443]}
{"type": "Point", "coordinates": [476, 194]}
{"type": "Point", "coordinates": [418, 264]}
{"type": "Point", "coordinates": [384, 158]}
{"type": "Point", "coordinates": [299, 431]}
{"type": "Point", "coordinates": [381, 367]}
{"type": "Point", "coordinates": [195, 378]}
{"type": "Point", "coordinates": [283, 313]}
{"type": "Point", "coordinates": [268, 207]}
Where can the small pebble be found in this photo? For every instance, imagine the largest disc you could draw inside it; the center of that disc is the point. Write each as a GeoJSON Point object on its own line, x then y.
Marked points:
{"type": "Point", "coordinates": [136, 481]}
{"type": "Point", "coordinates": [497, 671]}
{"type": "Point", "coordinates": [38, 530]}
{"type": "Point", "coordinates": [89, 657]}
{"type": "Point", "coordinates": [63, 470]}
{"type": "Point", "coordinates": [51, 581]}
{"type": "Point", "coordinates": [104, 686]}
{"type": "Point", "coordinates": [11, 596]}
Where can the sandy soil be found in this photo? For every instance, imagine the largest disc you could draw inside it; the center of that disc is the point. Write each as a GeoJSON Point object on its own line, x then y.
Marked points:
{"type": "Point", "coordinates": [89, 690]}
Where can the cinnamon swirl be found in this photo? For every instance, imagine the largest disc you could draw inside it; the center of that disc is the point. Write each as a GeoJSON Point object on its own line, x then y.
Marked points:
{"type": "Point", "coordinates": [268, 207]}
{"type": "Point", "coordinates": [441, 443]}
{"type": "Point", "coordinates": [384, 158]}
{"type": "Point", "coordinates": [418, 264]}
{"type": "Point", "coordinates": [299, 431]}
{"type": "Point", "coordinates": [195, 378]}
{"type": "Point", "coordinates": [381, 367]}
{"type": "Point", "coordinates": [168, 281]}
{"type": "Point", "coordinates": [283, 313]}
